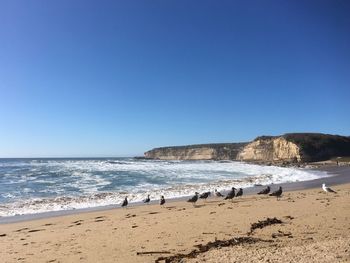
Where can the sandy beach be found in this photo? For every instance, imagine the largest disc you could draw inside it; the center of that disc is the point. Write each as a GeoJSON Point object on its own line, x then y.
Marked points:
{"type": "Point", "coordinates": [122, 120]}
{"type": "Point", "coordinates": [303, 226]}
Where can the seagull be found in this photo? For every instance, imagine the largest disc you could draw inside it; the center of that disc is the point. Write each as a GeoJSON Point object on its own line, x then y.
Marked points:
{"type": "Point", "coordinates": [204, 195]}
{"type": "Point", "coordinates": [218, 194]}
{"type": "Point", "coordinates": [264, 191]}
{"type": "Point", "coordinates": [125, 202]}
{"type": "Point", "coordinates": [277, 193]}
{"type": "Point", "coordinates": [147, 200]}
{"type": "Point", "coordinates": [231, 194]}
{"type": "Point", "coordinates": [240, 192]}
{"type": "Point", "coordinates": [327, 189]}
{"type": "Point", "coordinates": [162, 200]}
{"type": "Point", "coordinates": [193, 199]}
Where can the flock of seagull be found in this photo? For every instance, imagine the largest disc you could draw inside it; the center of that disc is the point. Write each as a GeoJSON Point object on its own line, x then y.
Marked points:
{"type": "Point", "coordinates": [232, 194]}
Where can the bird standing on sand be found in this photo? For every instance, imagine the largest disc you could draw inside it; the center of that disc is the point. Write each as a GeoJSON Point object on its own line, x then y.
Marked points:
{"type": "Point", "coordinates": [264, 191]}
{"type": "Point", "coordinates": [231, 194]}
{"type": "Point", "coordinates": [162, 200]}
{"type": "Point", "coordinates": [218, 194]}
{"type": "Point", "coordinates": [204, 195]}
{"type": "Point", "coordinates": [327, 189]}
{"type": "Point", "coordinates": [277, 193]}
{"type": "Point", "coordinates": [125, 202]}
{"type": "Point", "coordinates": [147, 200]}
{"type": "Point", "coordinates": [193, 199]}
{"type": "Point", "coordinates": [240, 192]}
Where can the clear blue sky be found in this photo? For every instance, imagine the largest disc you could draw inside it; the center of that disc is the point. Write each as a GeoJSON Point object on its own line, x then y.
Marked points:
{"type": "Point", "coordinates": [117, 78]}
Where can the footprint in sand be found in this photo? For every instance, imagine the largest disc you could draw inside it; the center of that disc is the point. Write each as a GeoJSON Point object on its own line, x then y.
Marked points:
{"type": "Point", "coordinates": [36, 230]}
{"type": "Point", "coordinates": [22, 229]}
{"type": "Point", "coordinates": [153, 213]}
{"type": "Point", "coordinates": [129, 215]}
{"type": "Point", "coordinates": [76, 223]}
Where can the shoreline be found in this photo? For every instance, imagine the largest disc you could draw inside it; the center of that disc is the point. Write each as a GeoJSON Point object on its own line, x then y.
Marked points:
{"type": "Point", "coordinates": [308, 225]}
{"type": "Point", "coordinates": [338, 175]}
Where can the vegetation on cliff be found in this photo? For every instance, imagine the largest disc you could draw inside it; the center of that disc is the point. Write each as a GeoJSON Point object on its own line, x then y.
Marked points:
{"type": "Point", "coordinates": [319, 147]}
{"type": "Point", "coordinates": [316, 146]}
{"type": "Point", "coordinates": [311, 147]}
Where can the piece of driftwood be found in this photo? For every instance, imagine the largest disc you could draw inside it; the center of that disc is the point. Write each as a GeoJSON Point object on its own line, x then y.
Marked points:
{"type": "Point", "coordinates": [152, 252]}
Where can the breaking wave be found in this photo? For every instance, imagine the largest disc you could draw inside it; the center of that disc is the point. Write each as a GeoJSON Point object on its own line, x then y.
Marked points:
{"type": "Point", "coordinates": [29, 186]}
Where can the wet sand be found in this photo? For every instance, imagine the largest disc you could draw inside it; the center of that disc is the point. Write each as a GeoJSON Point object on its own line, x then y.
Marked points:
{"type": "Point", "coordinates": [315, 227]}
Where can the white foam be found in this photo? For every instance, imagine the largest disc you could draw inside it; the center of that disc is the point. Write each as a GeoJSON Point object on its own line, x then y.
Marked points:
{"type": "Point", "coordinates": [169, 178]}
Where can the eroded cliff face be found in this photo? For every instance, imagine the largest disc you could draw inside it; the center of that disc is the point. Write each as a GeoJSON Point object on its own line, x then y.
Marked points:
{"type": "Point", "coordinates": [197, 152]}
{"type": "Point", "coordinates": [271, 149]}
{"type": "Point", "coordinates": [290, 148]}
{"type": "Point", "coordinates": [182, 154]}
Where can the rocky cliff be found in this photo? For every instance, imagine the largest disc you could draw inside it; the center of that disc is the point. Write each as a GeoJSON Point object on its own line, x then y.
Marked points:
{"type": "Point", "coordinates": [296, 147]}
{"type": "Point", "coordinates": [277, 149]}
{"type": "Point", "coordinates": [290, 148]}
{"type": "Point", "coordinates": [220, 151]}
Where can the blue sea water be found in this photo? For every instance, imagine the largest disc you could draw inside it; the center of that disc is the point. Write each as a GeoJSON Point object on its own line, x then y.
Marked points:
{"type": "Point", "coordinates": [30, 186]}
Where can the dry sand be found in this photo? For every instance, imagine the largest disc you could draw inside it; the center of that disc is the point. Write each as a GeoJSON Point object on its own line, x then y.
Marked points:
{"type": "Point", "coordinates": [315, 228]}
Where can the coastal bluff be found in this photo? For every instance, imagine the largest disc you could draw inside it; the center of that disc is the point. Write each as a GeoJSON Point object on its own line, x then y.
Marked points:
{"type": "Point", "coordinates": [287, 148]}
{"type": "Point", "coordinates": [217, 151]}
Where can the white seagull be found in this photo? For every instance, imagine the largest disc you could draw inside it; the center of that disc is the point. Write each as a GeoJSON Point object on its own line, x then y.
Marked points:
{"type": "Point", "coordinates": [327, 189]}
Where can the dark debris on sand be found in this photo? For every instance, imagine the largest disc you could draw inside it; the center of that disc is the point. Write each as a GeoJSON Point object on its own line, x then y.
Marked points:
{"type": "Point", "coordinates": [264, 223]}
{"type": "Point", "coordinates": [202, 248]}
{"type": "Point", "coordinates": [206, 247]}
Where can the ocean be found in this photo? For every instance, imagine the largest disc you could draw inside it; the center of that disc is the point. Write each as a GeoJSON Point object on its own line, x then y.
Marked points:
{"type": "Point", "coordinates": [31, 186]}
